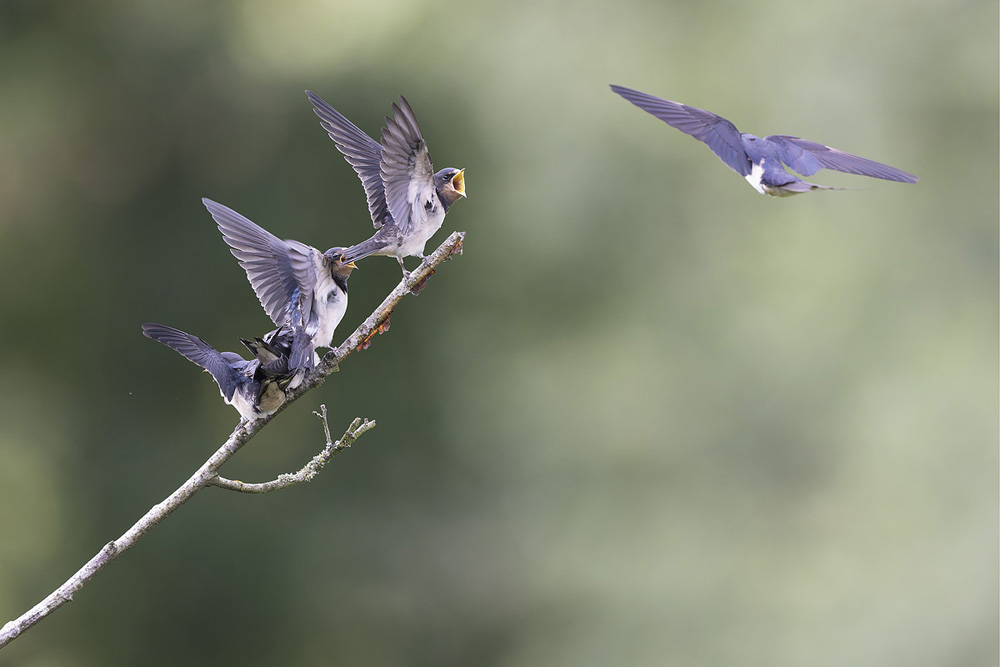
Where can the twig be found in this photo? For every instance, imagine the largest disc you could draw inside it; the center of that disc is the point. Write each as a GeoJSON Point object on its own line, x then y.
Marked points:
{"type": "Point", "coordinates": [309, 470]}
{"type": "Point", "coordinates": [208, 475]}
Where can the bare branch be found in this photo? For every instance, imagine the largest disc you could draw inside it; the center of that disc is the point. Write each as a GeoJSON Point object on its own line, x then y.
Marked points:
{"type": "Point", "coordinates": [309, 470]}
{"type": "Point", "coordinates": [208, 475]}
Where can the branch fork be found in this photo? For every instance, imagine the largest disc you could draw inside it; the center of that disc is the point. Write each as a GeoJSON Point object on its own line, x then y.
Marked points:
{"type": "Point", "coordinates": [208, 473]}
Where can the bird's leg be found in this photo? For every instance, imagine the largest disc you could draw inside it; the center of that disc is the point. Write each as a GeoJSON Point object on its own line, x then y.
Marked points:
{"type": "Point", "coordinates": [406, 274]}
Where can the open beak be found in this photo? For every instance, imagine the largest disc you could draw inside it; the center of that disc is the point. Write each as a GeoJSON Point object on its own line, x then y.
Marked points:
{"type": "Point", "coordinates": [458, 182]}
{"type": "Point", "coordinates": [352, 265]}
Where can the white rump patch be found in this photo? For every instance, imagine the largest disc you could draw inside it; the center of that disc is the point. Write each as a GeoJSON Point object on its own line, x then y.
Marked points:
{"type": "Point", "coordinates": [753, 178]}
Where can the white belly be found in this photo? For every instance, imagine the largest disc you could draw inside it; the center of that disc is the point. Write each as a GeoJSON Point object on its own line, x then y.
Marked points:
{"type": "Point", "coordinates": [329, 306]}
{"type": "Point", "coordinates": [412, 244]}
{"type": "Point", "coordinates": [245, 407]}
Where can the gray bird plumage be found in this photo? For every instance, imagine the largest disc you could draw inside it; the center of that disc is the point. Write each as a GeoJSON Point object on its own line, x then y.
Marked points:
{"type": "Point", "coordinates": [760, 160]}
{"type": "Point", "coordinates": [298, 286]}
{"type": "Point", "coordinates": [406, 199]}
{"type": "Point", "coordinates": [245, 385]}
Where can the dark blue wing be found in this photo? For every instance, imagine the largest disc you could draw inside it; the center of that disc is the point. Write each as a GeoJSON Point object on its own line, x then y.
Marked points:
{"type": "Point", "coordinates": [715, 131]}
{"type": "Point", "coordinates": [361, 152]}
{"type": "Point", "coordinates": [278, 270]}
{"type": "Point", "coordinates": [808, 157]}
{"type": "Point", "coordinates": [198, 352]}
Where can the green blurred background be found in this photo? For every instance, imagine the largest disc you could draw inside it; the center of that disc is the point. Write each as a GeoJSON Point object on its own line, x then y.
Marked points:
{"type": "Point", "coordinates": [650, 417]}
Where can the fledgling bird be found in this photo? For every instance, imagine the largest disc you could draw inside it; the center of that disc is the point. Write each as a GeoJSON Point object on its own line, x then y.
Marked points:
{"type": "Point", "coordinates": [273, 350]}
{"type": "Point", "coordinates": [759, 160]}
{"type": "Point", "coordinates": [299, 287]}
{"type": "Point", "coordinates": [243, 384]}
{"type": "Point", "coordinates": [406, 199]}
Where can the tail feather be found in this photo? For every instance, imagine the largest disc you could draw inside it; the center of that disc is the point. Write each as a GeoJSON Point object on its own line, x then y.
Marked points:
{"type": "Point", "coordinates": [807, 186]}
{"type": "Point", "coordinates": [372, 246]}
{"type": "Point", "coordinates": [286, 355]}
{"type": "Point", "coordinates": [302, 356]}
{"type": "Point", "coordinates": [795, 187]}
{"type": "Point", "coordinates": [265, 353]}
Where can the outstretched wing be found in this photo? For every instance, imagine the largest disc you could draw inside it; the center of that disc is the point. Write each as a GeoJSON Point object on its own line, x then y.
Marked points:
{"type": "Point", "coordinates": [715, 131]}
{"type": "Point", "coordinates": [196, 351]}
{"type": "Point", "coordinates": [281, 272]}
{"type": "Point", "coordinates": [361, 152]}
{"type": "Point", "coordinates": [407, 171]}
{"type": "Point", "coordinates": [808, 157]}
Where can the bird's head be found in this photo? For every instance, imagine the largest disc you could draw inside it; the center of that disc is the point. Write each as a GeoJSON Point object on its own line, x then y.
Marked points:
{"type": "Point", "coordinates": [450, 185]}
{"type": "Point", "coordinates": [338, 266]}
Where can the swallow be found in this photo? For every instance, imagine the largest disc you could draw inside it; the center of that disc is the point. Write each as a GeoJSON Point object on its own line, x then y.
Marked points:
{"type": "Point", "coordinates": [274, 350]}
{"type": "Point", "coordinates": [760, 160]}
{"type": "Point", "coordinates": [406, 198]}
{"type": "Point", "coordinates": [243, 384]}
{"type": "Point", "coordinates": [299, 287]}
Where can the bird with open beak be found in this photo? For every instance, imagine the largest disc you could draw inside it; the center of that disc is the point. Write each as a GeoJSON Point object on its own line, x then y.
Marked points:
{"type": "Point", "coordinates": [406, 198]}
{"type": "Point", "coordinates": [301, 289]}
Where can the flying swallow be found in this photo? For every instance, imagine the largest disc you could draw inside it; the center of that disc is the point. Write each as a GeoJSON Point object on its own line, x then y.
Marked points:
{"type": "Point", "coordinates": [406, 199]}
{"type": "Point", "coordinates": [760, 160]}
{"type": "Point", "coordinates": [243, 384]}
{"type": "Point", "coordinates": [299, 287]}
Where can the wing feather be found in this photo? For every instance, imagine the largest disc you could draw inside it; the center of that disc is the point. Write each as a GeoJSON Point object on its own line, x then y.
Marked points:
{"type": "Point", "coordinates": [280, 272]}
{"type": "Point", "coordinates": [406, 166]}
{"type": "Point", "coordinates": [197, 351]}
{"type": "Point", "coordinates": [714, 131]}
{"type": "Point", "coordinates": [808, 157]}
{"type": "Point", "coordinates": [361, 152]}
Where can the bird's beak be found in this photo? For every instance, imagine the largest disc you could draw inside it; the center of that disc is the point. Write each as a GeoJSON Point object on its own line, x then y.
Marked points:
{"type": "Point", "coordinates": [351, 265]}
{"type": "Point", "coordinates": [458, 182]}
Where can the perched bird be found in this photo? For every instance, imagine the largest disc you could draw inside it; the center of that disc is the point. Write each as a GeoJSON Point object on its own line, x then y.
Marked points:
{"type": "Point", "coordinates": [273, 350]}
{"type": "Point", "coordinates": [302, 290]}
{"type": "Point", "coordinates": [759, 160]}
{"type": "Point", "coordinates": [243, 384]}
{"type": "Point", "coordinates": [407, 200]}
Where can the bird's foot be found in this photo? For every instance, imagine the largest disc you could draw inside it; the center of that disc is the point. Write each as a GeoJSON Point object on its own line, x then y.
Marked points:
{"type": "Point", "coordinates": [415, 290]}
